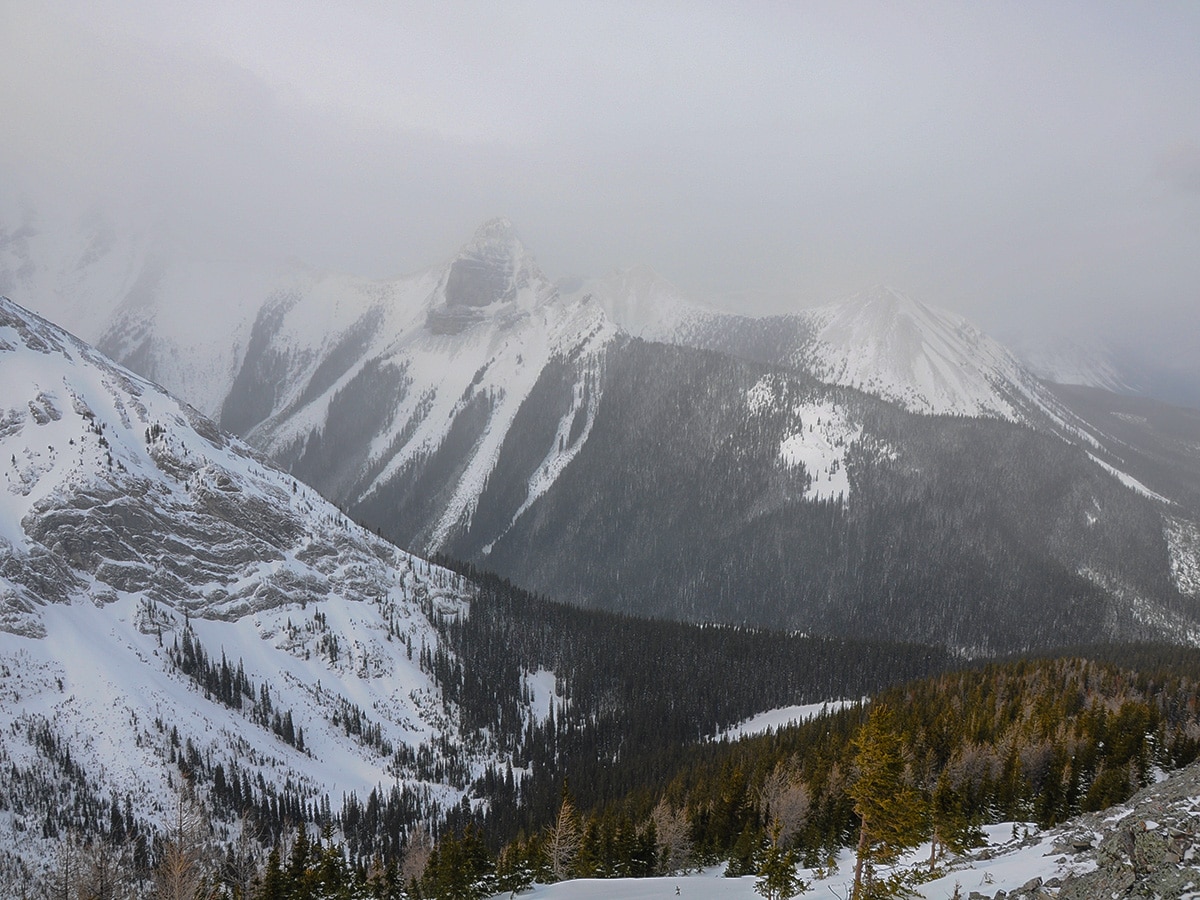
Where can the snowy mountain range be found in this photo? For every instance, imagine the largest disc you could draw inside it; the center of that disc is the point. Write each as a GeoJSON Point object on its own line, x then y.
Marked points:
{"type": "Point", "coordinates": [619, 447]}
{"type": "Point", "coordinates": [873, 468]}
{"type": "Point", "coordinates": [173, 608]}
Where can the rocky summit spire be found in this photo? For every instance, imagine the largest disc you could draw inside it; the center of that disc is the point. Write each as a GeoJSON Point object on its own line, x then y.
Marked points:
{"type": "Point", "coordinates": [492, 277]}
{"type": "Point", "coordinates": [485, 270]}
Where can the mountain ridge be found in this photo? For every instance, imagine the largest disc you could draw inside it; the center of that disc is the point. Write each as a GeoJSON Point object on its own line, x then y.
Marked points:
{"type": "Point", "coordinates": [464, 408]}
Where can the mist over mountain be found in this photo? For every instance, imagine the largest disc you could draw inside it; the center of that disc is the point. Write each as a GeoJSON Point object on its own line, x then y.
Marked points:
{"type": "Point", "coordinates": [806, 497]}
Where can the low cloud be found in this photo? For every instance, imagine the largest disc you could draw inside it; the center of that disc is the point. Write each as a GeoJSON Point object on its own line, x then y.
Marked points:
{"type": "Point", "coordinates": [1180, 168]}
{"type": "Point", "coordinates": [990, 160]}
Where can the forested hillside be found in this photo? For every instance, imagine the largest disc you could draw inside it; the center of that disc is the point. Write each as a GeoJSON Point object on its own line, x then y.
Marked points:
{"type": "Point", "coordinates": [712, 489]}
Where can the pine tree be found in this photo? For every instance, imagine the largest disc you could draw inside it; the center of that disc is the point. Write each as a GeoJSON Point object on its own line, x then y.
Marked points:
{"type": "Point", "coordinates": [777, 878]}
{"type": "Point", "coordinates": [274, 882]}
{"type": "Point", "coordinates": [952, 828]}
{"type": "Point", "coordinates": [890, 811]}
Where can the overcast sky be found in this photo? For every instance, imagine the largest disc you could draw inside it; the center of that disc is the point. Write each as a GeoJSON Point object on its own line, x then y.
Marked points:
{"type": "Point", "coordinates": [1011, 161]}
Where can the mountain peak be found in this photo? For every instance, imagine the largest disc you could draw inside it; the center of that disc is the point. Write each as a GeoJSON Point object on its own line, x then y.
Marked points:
{"type": "Point", "coordinates": [640, 301]}
{"type": "Point", "coordinates": [883, 299]}
{"type": "Point", "coordinates": [495, 239]}
{"type": "Point", "coordinates": [499, 227]}
{"type": "Point", "coordinates": [883, 341]}
{"type": "Point", "coordinates": [490, 269]}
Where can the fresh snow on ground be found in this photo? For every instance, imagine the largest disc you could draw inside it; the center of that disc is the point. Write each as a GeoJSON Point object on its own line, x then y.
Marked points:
{"type": "Point", "coordinates": [820, 437]}
{"type": "Point", "coordinates": [929, 360]}
{"type": "Point", "coordinates": [821, 444]}
{"type": "Point", "coordinates": [1128, 480]}
{"type": "Point", "coordinates": [708, 886]}
{"type": "Point", "coordinates": [543, 694]}
{"type": "Point", "coordinates": [774, 719]}
{"type": "Point", "coordinates": [1018, 859]}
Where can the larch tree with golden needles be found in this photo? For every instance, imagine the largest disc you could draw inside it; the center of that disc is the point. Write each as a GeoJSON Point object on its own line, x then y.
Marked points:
{"type": "Point", "coordinates": [891, 811]}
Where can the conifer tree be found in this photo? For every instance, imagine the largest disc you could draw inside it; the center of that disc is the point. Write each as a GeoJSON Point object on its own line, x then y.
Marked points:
{"type": "Point", "coordinates": [890, 811]}
{"type": "Point", "coordinates": [777, 878]}
{"type": "Point", "coordinates": [952, 828]}
{"type": "Point", "coordinates": [274, 882]}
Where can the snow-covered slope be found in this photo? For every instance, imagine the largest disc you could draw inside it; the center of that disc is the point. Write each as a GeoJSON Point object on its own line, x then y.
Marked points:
{"type": "Point", "coordinates": [1073, 360]}
{"type": "Point", "coordinates": [476, 409]}
{"type": "Point", "coordinates": [645, 304]}
{"type": "Point", "coordinates": [880, 341]}
{"type": "Point", "coordinates": [79, 268]}
{"type": "Point", "coordinates": [931, 361]}
{"type": "Point", "coordinates": [169, 312]}
{"type": "Point", "coordinates": [132, 533]}
{"type": "Point", "coordinates": [395, 397]}
{"type": "Point", "coordinates": [1145, 847]}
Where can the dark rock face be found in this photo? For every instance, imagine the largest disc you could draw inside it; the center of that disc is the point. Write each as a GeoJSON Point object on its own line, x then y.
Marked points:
{"type": "Point", "coordinates": [484, 280]}
{"type": "Point", "coordinates": [479, 281]}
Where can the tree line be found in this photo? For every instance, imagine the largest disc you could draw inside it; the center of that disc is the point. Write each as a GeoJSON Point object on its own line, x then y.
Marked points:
{"type": "Point", "coordinates": [933, 759]}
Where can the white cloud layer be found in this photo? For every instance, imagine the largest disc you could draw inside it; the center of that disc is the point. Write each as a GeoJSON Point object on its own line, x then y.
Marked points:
{"type": "Point", "coordinates": [1014, 162]}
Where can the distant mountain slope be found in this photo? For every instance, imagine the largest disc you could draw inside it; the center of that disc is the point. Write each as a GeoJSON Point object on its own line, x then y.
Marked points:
{"type": "Point", "coordinates": [393, 398]}
{"type": "Point", "coordinates": [1154, 442]}
{"type": "Point", "coordinates": [881, 341]}
{"type": "Point", "coordinates": [928, 360]}
{"type": "Point", "coordinates": [1075, 361]}
{"type": "Point", "coordinates": [176, 610]}
{"type": "Point", "coordinates": [714, 489]}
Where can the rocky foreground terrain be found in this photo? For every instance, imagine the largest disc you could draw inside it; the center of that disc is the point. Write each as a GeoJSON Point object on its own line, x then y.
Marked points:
{"type": "Point", "coordinates": [1148, 847]}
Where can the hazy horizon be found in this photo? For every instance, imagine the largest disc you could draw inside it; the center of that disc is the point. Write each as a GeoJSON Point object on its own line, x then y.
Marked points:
{"type": "Point", "coordinates": [1030, 168]}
